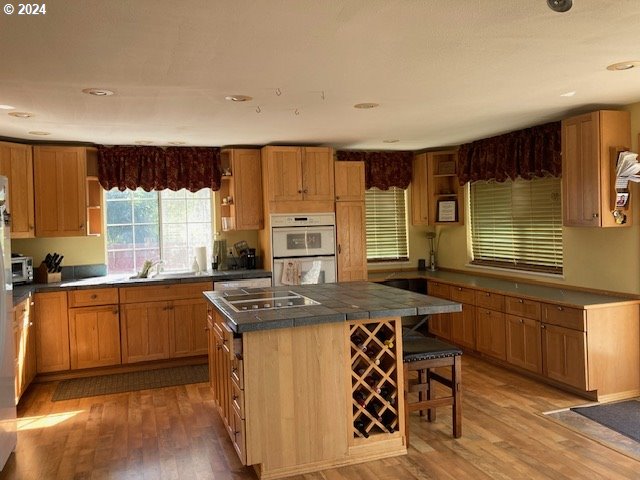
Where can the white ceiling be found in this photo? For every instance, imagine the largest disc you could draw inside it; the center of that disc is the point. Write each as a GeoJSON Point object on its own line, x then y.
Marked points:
{"type": "Point", "coordinates": [443, 71]}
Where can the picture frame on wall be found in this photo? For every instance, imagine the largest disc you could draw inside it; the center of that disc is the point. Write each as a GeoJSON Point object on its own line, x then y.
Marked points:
{"type": "Point", "coordinates": [447, 211]}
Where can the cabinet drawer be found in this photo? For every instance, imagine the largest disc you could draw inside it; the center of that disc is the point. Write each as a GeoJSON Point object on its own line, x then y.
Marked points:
{"type": "Point", "coordinates": [92, 297]}
{"type": "Point", "coordinates": [154, 293]}
{"type": "Point", "coordinates": [492, 301]}
{"type": "Point", "coordinates": [522, 308]}
{"type": "Point", "coordinates": [462, 295]}
{"type": "Point", "coordinates": [567, 317]}
{"type": "Point", "coordinates": [237, 433]}
{"type": "Point", "coordinates": [237, 399]}
{"type": "Point", "coordinates": [237, 372]}
{"type": "Point", "coordinates": [437, 289]}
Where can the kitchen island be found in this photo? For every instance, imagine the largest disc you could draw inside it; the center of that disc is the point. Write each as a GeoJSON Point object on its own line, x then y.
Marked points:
{"type": "Point", "coordinates": [310, 377]}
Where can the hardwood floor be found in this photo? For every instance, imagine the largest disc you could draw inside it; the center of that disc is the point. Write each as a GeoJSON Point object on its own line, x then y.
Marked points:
{"type": "Point", "coordinates": [175, 433]}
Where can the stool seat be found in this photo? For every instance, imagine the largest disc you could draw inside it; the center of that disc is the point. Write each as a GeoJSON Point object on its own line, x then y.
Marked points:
{"type": "Point", "coordinates": [423, 355]}
{"type": "Point", "coordinates": [417, 347]}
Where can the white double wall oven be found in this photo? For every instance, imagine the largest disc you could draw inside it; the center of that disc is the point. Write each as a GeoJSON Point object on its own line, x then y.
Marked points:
{"type": "Point", "coordinates": [303, 248]}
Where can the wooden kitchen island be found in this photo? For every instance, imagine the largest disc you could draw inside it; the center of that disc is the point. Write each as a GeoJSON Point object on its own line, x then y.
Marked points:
{"type": "Point", "coordinates": [312, 386]}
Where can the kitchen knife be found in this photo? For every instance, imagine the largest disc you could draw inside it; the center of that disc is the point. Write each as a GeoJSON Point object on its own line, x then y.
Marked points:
{"type": "Point", "coordinates": [52, 262]}
{"type": "Point", "coordinates": [57, 267]}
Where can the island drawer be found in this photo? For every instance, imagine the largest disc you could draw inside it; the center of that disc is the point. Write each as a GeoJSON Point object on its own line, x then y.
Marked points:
{"type": "Point", "coordinates": [437, 289]}
{"type": "Point", "coordinates": [237, 433]}
{"type": "Point", "coordinates": [561, 316]}
{"type": "Point", "coordinates": [463, 295]}
{"type": "Point", "coordinates": [237, 371]}
{"type": "Point", "coordinates": [492, 301]}
{"type": "Point", "coordinates": [237, 399]}
{"type": "Point", "coordinates": [154, 293]}
{"type": "Point", "coordinates": [92, 297]}
{"type": "Point", "coordinates": [522, 308]}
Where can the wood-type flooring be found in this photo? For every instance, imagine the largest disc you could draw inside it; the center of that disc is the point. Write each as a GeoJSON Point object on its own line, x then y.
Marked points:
{"type": "Point", "coordinates": [176, 433]}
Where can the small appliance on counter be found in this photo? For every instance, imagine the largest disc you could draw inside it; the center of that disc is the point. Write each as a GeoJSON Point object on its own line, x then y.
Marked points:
{"type": "Point", "coordinates": [21, 269]}
{"type": "Point", "coordinates": [246, 255]}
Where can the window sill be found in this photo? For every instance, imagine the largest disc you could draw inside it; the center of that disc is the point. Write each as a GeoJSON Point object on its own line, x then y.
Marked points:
{"type": "Point", "coordinates": [513, 271]}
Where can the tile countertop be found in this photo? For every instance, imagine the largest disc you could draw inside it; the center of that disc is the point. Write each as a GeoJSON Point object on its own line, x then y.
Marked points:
{"type": "Point", "coordinates": [21, 292]}
{"type": "Point", "coordinates": [338, 302]}
{"type": "Point", "coordinates": [554, 294]}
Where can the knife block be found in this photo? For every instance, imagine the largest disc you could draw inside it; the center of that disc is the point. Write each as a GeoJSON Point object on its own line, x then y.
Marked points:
{"type": "Point", "coordinates": [42, 275]}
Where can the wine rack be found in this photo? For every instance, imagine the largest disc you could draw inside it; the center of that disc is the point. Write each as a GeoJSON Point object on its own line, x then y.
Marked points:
{"type": "Point", "coordinates": [375, 386]}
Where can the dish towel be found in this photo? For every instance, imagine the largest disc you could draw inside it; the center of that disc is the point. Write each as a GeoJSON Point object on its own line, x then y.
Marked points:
{"type": "Point", "coordinates": [291, 272]}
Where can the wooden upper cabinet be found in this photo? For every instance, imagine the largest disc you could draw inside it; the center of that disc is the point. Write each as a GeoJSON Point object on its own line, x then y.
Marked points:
{"type": "Point", "coordinates": [445, 193]}
{"type": "Point", "coordinates": [16, 163]}
{"type": "Point", "coordinates": [419, 191]}
{"type": "Point", "coordinates": [243, 184]}
{"type": "Point", "coordinates": [349, 181]}
{"type": "Point", "coordinates": [588, 169]}
{"type": "Point", "coordinates": [298, 179]}
{"type": "Point", "coordinates": [60, 186]}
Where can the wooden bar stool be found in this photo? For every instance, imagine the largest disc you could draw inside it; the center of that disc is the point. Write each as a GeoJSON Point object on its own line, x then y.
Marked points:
{"type": "Point", "coordinates": [422, 354]}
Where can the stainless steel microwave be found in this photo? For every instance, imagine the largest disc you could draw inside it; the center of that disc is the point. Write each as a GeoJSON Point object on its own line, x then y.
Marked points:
{"type": "Point", "coordinates": [21, 270]}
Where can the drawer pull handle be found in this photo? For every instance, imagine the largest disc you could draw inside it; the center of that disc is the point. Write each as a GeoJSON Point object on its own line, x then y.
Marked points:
{"type": "Point", "coordinates": [520, 300]}
{"type": "Point", "coordinates": [521, 321]}
{"type": "Point", "coordinates": [543, 326]}
{"type": "Point", "coordinates": [559, 309]}
{"type": "Point", "coordinates": [94, 296]}
{"type": "Point", "coordinates": [487, 294]}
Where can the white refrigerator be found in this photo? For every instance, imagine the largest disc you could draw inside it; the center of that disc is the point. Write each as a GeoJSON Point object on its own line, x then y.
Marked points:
{"type": "Point", "coordinates": [7, 366]}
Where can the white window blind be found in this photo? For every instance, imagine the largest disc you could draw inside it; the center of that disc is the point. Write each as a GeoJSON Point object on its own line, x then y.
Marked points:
{"type": "Point", "coordinates": [517, 224]}
{"type": "Point", "coordinates": [386, 225]}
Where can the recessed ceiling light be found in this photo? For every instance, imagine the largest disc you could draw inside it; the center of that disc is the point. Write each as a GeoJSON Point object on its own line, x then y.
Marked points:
{"type": "Point", "coordinates": [568, 94]}
{"type": "Point", "coordinates": [98, 92]}
{"type": "Point", "coordinates": [39, 133]}
{"type": "Point", "coordinates": [366, 105]}
{"type": "Point", "coordinates": [6, 107]}
{"type": "Point", "coordinates": [391, 140]}
{"type": "Point", "coordinates": [143, 142]}
{"type": "Point", "coordinates": [176, 143]}
{"type": "Point", "coordinates": [21, 114]}
{"type": "Point", "coordinates": [624, 65]}
{"type": "Point", "coordinates": [238, 98]}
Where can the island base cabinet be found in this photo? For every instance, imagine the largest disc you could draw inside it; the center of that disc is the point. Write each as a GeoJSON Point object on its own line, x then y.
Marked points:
{"type": "Point", "coordinates": [298, 400]}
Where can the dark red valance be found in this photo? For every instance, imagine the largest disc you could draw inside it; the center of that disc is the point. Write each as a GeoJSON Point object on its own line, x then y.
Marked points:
{"type": "Point", "coordinates": [157, 168]}
{"type": "Point", "coordinates": [382, 169]}
{"type": "Point", "coordinates": [528, 153]}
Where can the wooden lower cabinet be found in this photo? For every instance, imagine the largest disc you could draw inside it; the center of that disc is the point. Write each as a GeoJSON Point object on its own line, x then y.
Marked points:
{"type": "Point", "coordinates": [94, 336]}
{"type": "Point", "coordinates": [524, 343]}
{"type": "Point", "coordinates": [25, 346]}
{"type": "Point", "coordinates": [463, 326]}
{"type": "Point", "coordinates": [144, 329]}
{"type": "Point", "coordinates": [440, 325]}
{"type": "Point", "coordinates": [188, 323]}
{"type": "Point", "coordinates": [491, 333]}
{"type": "Point", "coordinates": [564, 353]}
{"type": "Point", "coordinates": [52, 332]}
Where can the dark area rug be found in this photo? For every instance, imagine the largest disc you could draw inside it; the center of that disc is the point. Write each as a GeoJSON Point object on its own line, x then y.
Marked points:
{"type": "Point", "coordinates": [622, 417]}
{"type": "Point", "coordinates": [130, 381]}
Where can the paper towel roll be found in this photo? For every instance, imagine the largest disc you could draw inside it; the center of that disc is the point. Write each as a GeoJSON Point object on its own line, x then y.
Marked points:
{"type": "Point", "coordinates": [201, 258]}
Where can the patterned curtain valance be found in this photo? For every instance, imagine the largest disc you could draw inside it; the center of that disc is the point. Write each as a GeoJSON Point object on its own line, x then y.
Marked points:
{"type": "Point", "coordinates": [156, 168]}
{"type": "Point", "coordinates": [382, 169]}
{"type": "Point", "coordinates": [532, 152]}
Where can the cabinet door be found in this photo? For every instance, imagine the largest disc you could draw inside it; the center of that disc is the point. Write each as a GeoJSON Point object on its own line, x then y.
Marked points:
{"type": "Point", "coordinates": [60, 186]}
{"type": "Point", "coordinates": [349, 181]}
{"type": "Point", "coordinates": [580, 171]}
{"type": "Point", "coordinates": [144, 328]}
{"type": "Point", "coordinates": [284, 167]}
{"type": "Point", "coordinates": [94, 336]}
{"type": "Point", "coordinates": [16, 163]}
{"type": "Point", "coordinates": [352, 242]}
{"type": "Point", "coordinates": [524, 343]}
{"type": "Point", "coordinates": [188, 328]}
{"type": "Point", "coordinates": [463, 326]}
{"type": "Point", "coordinates": [491, 338]}
{"type": "Point", "coordinates": [52, 332]}
{"type": "Point", "coordinates": [17, 337]}
{"type": "Point", "coordinates": [564, 355]}
{"type": "Point", "coordinates": [25, 346]}
{"type": "Point", "coordinates": [440, 325]}
{"type": "Point", "coordinates": [317, 174]}
{"type": "Point", "coordinates": [247, 183]}
{"type": "Point", "coordinates": [419, 191]}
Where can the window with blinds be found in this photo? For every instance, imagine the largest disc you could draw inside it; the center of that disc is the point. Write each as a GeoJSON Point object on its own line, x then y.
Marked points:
{"type": "Point", "coordinates": [386, 225]}
{"type": "Point", "coordinates": [517, 224]}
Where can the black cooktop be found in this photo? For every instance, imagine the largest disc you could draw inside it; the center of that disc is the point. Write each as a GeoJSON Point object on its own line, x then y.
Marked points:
{"type": "Point", "coordinates": [242, 300]}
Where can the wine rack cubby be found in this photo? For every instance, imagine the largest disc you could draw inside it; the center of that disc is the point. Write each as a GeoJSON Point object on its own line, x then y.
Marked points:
{"type": "Point", "coordinates": [375, 372]}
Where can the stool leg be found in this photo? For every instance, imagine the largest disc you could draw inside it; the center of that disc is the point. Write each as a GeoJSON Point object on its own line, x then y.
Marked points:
{"type": "Point", "coordinates": [422, 390]}
{"type": "Point", "coordinates": [431, 413]}
{"type": "Point", "coordinates": [406, 403]}
{"type": "Point", "coordinates": [456, 380]}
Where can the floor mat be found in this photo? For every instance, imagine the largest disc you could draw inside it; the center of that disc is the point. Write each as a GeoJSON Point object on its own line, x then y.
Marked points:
{"type": "Point", "coordinates": [622, 417]}
{"type": "Point", "coordinates": [595, 431]}
{"type": "Point", "coordinates": [130, 381]}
